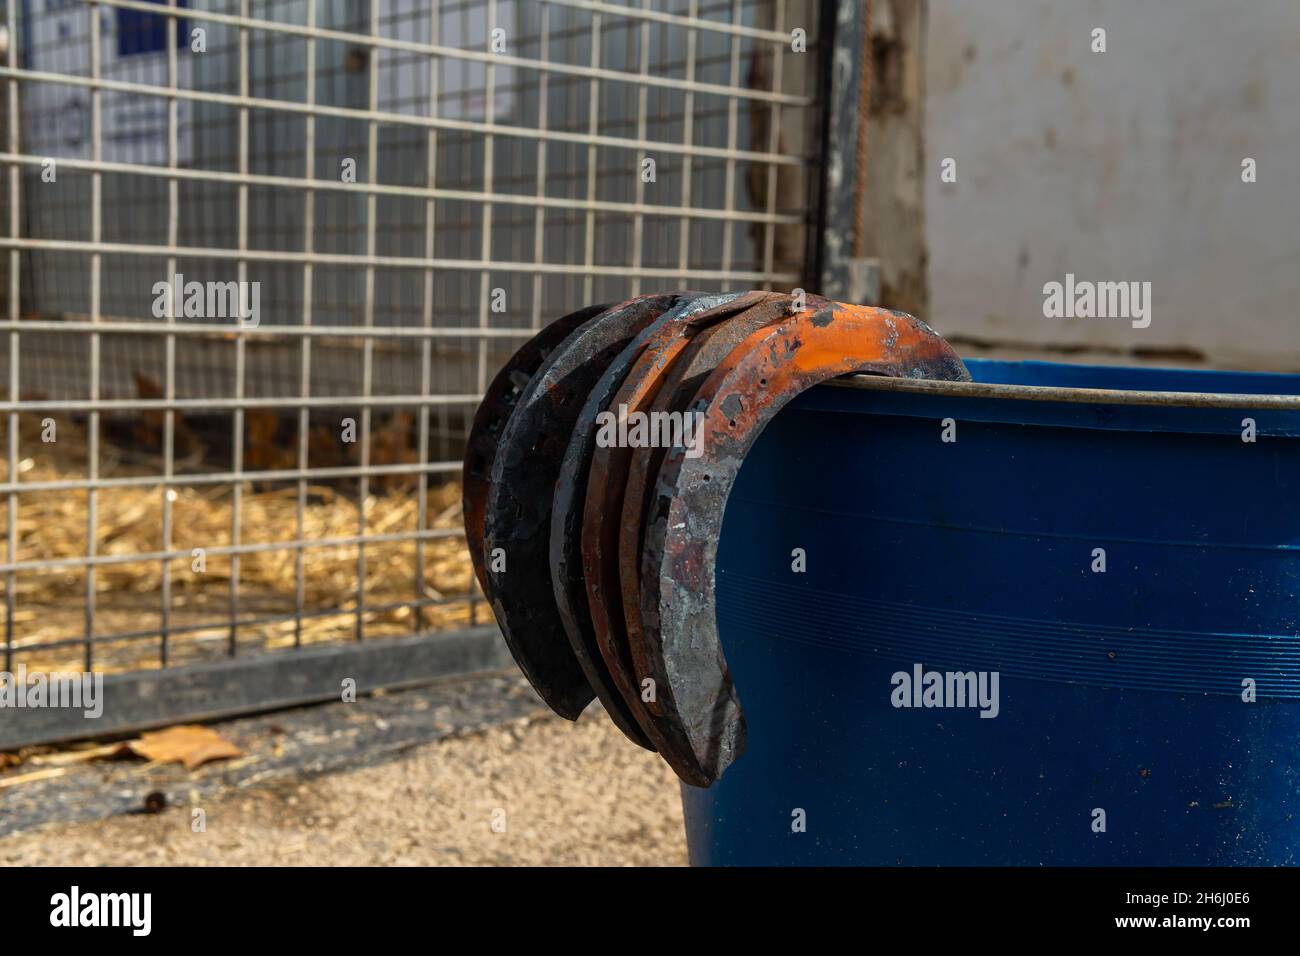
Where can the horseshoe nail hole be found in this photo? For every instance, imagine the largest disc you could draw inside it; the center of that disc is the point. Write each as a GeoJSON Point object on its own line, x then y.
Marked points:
{"type": "Point", "coordinates": [707, 478]}
{"type": "Point", "coordinates": [762, 381]}
{"type": "Point", "coordinates": [732, 423]}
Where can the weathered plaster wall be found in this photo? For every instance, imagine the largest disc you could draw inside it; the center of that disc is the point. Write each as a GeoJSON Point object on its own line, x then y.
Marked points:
{"type": "Point", "coordinates": [1123, 165]}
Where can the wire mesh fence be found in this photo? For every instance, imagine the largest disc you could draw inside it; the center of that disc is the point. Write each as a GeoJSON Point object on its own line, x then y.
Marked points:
{"type": "Point", "coordinates": [260, 259]}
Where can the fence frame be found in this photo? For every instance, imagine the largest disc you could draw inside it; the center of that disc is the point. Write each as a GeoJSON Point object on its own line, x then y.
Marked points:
{"type": "Point", "coordinates": [247, 682]}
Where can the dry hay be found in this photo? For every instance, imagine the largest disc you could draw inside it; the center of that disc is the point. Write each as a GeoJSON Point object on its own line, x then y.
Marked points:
{"type": "Point", "coordinates": [50, 604]}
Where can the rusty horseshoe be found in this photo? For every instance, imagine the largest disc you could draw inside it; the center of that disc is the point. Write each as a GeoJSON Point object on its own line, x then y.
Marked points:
{"type": "Point", "coordinates": [678, 634]}
{"type": "Point", "coordinates": [517, 515]}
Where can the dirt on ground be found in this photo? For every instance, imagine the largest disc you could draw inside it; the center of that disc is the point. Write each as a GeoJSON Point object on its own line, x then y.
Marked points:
{"type": "Point", "coordinates": [538, 791]}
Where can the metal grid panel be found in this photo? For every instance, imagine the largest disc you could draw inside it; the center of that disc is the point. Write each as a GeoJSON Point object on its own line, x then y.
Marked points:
{"type": "Point", "coordinates": [493, 190]}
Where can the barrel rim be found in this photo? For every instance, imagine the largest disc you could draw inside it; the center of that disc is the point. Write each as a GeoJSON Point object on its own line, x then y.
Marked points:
{"type": "Point", "coordinates": [1084, 395]}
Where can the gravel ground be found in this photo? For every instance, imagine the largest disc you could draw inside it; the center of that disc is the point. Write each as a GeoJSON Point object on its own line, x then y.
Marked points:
{"type": "Point", "coordinates": [569, 794]}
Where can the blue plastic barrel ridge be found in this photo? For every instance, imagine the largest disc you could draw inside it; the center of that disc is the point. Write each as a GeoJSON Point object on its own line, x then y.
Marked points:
{"type": "Point", "coordinates": [1118, 691]}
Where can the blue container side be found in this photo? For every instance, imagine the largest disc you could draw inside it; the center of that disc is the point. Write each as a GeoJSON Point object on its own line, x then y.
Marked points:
{"type": "Point", "coordinates": [1118, 691]}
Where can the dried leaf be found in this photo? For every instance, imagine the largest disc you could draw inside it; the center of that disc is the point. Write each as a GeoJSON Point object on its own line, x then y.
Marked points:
{"type": "Point", "coordinates": [189, 744]}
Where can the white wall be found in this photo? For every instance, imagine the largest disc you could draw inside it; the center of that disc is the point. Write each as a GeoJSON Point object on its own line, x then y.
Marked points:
{"type": "Point", "coordinates": [1124, 165]}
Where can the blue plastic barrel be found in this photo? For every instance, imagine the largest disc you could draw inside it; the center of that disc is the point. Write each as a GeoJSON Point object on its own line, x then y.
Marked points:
{"type": "Point", "coordinates": [1125, 733]}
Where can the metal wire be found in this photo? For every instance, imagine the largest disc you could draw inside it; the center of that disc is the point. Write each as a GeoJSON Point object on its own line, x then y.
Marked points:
{"type": "Point", "coordinates": [376, 41]}
{"type": "Point", "coordinates": [1088, 396]}
{"type": "Point", "coordinates": [478, 171]}
{"type": "Point", "coordinates": [98, 85]}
